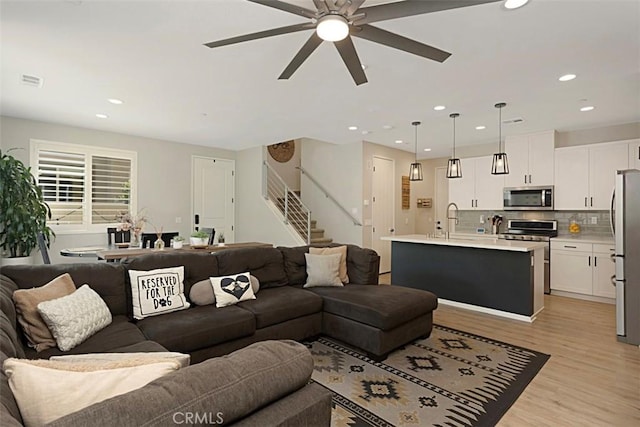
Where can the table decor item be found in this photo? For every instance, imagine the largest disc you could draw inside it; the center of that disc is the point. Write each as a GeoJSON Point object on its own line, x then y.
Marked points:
{"type": "Point", "coordinates": [178, 241]}
{"type": "Point", "coordinates": [199, 239]}
{"type": "Point", "coordinates": [221, 239]}
{"type": "Point", "coordinates": [159, 243]}
{"type": "Point", "coordinates": [135, 223]}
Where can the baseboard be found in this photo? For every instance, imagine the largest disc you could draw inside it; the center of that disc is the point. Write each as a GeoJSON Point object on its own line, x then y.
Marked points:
{"type": "Point", "coordinates": [583, 297]}
{"type": "Point", "coordinates": [492, 311]}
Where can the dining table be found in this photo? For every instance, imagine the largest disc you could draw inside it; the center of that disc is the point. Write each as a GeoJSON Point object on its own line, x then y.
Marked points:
{"type": "Point", "coordinates": [114, 254]}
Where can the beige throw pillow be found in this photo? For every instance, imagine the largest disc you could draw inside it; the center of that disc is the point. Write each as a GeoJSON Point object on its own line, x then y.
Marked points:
{"type": "Point", "coordinates": [45, 394]}
{"type": "Point", "coordinates": [342, 250]}
{"type": "Point", "coordinates": [201, 292]}
{"type": "Point", "coordinates": [101, 360]}
{"type": "Point", "coordinates": [156, 292]}
{"type": "Point", "coordinates": [322, 270]}
{"type": "Point", "coordinates": [27, 300]}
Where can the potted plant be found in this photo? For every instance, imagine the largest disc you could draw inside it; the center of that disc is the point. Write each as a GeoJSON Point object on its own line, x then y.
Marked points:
{"type": "Point", "coordinates": [23, 211]}
{"type": "Point", "coordinates": [199, 238]}
{"type": "Point", "coordinates": [178, 242]}
{"type": "Point", "coordinates": [221, 239]}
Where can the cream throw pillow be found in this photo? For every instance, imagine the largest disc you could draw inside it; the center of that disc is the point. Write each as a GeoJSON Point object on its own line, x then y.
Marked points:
{"type": "Point", "coordinates": [26, 302]}
{"type": "Point", "coordinates": [74, 318]}
{"type": "Point", "coordinates": [322, 270]}
{"type": "Point", "coordinates": [230, 290]}
{"type": "Point", "coordinates": [132, 359]}
{"type": "Point", "coordinates": [45, 394]}
{"type": "Point", "coordinates": [342, 250]}
{"type": "Point", "coordinates": [157, 291]}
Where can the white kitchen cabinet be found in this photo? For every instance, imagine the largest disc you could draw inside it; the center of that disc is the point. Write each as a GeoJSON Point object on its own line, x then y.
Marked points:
{"type": "Point", "coordinates": [531, 159]}
{"type": "Point", "coordinates": [634, 154]}
{"type": "Point", "coordinates": [603, 269]}
{"type": "Point", "coordinates": [478, 188]}
{"type": "Point", "coordinates": [571, 268]}
{"type": "Point", "coordinates": [582, 268]}
{"type": "Point", "coordinates": [585, 175]}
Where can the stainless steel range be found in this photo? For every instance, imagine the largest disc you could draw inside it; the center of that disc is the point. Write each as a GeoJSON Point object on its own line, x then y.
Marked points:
{"type": "Point", "coordinates": [537, 230]}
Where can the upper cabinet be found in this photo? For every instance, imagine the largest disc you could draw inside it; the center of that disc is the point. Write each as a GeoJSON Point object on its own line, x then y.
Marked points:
{"type": "Point", "coordinates": [531, 159]}
{"type": "Point", "coordinates": [478, 188]}
{"type": "Point", "coordinates": [634, 154]}
{"type": "Point", "coordinates": [585, 175]}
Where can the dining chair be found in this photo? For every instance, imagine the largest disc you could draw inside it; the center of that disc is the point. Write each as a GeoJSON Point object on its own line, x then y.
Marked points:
{"type": "Point", "coordinates": [211, 232]}
{"type": "Point", "coordinates": [117, 236]}
{"type": "Point", "coordinates": [42, 245]}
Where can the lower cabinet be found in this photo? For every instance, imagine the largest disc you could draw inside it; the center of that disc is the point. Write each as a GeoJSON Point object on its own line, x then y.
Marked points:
{"type": "Point", "coordinates": [582, 268]}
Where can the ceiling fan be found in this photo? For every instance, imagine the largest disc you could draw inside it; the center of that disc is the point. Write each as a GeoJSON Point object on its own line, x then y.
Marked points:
{"type": "Point", "coordinates": [338, 20]}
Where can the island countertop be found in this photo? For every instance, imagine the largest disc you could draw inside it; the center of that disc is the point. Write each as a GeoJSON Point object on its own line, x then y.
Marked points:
{"type": "Point", "coordinates": [480, 242]}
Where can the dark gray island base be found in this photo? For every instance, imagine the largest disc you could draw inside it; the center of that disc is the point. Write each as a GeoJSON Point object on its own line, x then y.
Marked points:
{"type": "Point", "coordinates": [474, 276]}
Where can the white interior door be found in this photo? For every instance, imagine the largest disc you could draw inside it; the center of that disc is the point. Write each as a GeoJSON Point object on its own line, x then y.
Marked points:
{"type": "Point", "coordinates": [442, 198]}
{"type": "Point", "coordinates": [213, 195]}
{"type": "Point", "coordinates": [382, 220]}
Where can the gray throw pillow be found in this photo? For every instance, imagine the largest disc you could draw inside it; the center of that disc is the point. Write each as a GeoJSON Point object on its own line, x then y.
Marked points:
{"type": "Point", "coordinates": [201, 292]}
{"type": "Point", "coordinates": [323, 270]}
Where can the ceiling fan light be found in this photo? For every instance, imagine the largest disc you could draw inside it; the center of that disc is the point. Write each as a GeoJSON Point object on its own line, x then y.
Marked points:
{"type": "Point", "coordinates": [332, 28]}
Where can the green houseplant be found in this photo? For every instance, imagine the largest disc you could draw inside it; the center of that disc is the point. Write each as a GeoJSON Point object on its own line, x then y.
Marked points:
{"type": "Point", "coordinates": [199, 238]}
{"type": "Point", "coordinates": [23, 211]}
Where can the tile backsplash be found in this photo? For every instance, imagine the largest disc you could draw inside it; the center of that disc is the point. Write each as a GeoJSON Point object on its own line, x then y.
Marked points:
{"type": "Point", "coordinates": [469, 221]}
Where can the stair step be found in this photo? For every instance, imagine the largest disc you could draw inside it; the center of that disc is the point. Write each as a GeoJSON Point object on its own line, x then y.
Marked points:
{"type": "Point", "coordinates": [317, 232]}
{"type": "Point", "coordinates": [321, 240]}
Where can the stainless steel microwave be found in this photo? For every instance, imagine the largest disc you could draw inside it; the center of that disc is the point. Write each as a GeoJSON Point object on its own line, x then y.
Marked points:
{"type": "Point", "coordinates": [528, 198]}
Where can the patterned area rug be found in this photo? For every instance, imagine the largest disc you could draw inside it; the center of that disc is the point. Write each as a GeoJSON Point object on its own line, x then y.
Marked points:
{"type": "Point", "coordinates": [453, 378]}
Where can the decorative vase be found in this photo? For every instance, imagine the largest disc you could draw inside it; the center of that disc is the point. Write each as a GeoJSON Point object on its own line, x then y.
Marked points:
{"type": "Point", "coordinates": [177, 244]}
{"type": "Point", "coordinates": [198, 241]}
{"type": "Point", "coordinates": [158, 244]}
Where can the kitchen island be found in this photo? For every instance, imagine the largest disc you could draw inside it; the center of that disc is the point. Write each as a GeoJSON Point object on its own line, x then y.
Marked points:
{"type": "Point", "coordinates": [481, 273]}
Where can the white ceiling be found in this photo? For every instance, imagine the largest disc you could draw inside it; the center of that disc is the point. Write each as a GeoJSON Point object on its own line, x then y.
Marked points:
{"type": "Point", "coordinates": [150, 54]}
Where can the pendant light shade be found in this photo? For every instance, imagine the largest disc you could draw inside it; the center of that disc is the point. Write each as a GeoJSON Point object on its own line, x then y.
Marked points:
{"type": "Point", "coordinates": [415, 170]}
{"type": "Point", "coordinates": [500, 165]}
{"type": "Point", "coordinates": [454, 169]}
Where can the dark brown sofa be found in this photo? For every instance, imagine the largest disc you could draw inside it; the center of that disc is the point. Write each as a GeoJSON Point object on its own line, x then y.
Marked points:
{"type": "Point", "coordinates": [376, 319]}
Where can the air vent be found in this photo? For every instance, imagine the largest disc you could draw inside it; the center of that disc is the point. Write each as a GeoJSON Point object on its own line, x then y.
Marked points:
{"type": "Point", "coordinates": [513, 120]}
{"type": "Point", "coordinates": [29, 80]}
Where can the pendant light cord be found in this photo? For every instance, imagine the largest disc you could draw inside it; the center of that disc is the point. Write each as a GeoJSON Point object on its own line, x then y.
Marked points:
{"type": "Point", "coordinates": [500, 130]}
{"type": "Point", "coordinates": [454, 137]}
{"type": "Point", "coordinates": [416, 125]}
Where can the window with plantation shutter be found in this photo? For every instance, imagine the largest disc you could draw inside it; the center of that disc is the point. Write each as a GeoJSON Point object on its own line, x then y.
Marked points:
{"type": "Point", "coordinates": [85, 187]}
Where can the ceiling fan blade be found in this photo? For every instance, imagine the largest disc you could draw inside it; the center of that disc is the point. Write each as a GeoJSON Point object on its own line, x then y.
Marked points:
{"type": "Point", "coordinates": [262, 34]}
{"type": "Point", "coordinates": [321, 6]}
{"type": "Point", "coordinates": [350, 57]}
{"type": "Point", "coordinates": [304, 52]}
{"type": "Point", "coordinates": [355, 4]}
{"type": "Point", "coordinates": [287, 7]}
{"type": "Point", "coordinates": [378, 35]}
{"type": "Point", "coordinates": [411, 7]}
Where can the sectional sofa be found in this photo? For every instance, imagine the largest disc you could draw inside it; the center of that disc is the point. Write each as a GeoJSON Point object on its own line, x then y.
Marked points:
{"type": "Point", "coordinates": [374, 319]}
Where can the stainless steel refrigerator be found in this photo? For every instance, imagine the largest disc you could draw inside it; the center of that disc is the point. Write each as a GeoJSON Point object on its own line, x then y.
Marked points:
{"type": "Point", "coordinates": [625, 215]}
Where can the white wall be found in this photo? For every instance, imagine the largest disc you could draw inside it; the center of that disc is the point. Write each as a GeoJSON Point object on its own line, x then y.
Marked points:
{"type": "Point", "coordinates": [164, 173]}
{"type": "Point", "coordinates": [338, 168]}
{"type": "Point", "coordinates": [255, 220]}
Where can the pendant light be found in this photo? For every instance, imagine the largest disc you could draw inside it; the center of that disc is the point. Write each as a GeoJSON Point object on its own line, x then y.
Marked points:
{"type": "Point", "coordinates": [454, 169]}
{"type": "Point", "coordinates": [500, 165]}
{"type": "Point", "coordinates": [415, 170]}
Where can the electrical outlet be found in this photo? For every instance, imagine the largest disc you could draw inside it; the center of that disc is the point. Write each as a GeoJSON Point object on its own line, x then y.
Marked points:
{"type": "Point", "coordinates": [178, 220]}
{"type": "Point", "coordinates": [594, 220]}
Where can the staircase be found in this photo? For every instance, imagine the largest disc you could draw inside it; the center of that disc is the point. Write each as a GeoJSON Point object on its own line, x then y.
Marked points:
{"type": "Point", "coordinates": [294, 204]}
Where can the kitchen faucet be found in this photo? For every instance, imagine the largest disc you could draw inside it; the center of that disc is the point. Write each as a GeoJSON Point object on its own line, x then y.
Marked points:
{"type": "Point", "coordinates": [455, 216]}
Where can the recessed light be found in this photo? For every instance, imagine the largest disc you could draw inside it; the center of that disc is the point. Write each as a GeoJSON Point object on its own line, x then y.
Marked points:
{"type": "Point", "coordinates": [353, 127]}
{"type": "Point", "coordinates": [102, 116]}
{"type": "Point", "coordinates": [427, 149]}
{"type": "Point", "coordinates": [481, 127]}
{"type": "Point", "coordinates": [567, 77]}
{"type": "Point", "coordinates": [399, 141]}
{"type": "Point", "coordinates": [587, 108]}
{"type": "Point", "coordinates": [366, 132]}
{"type": "Point", "coordinates": [387, 127]}
{"type": "Point", "coordinates": [514, 4]}
{"type": "Point", "coordinates": [115, 101]}
{"type": "Point", "coordinates": [439, 107]}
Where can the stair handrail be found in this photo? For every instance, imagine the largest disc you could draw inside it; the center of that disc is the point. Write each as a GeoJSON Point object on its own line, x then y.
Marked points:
{"type": "Point", "coordinates": [328, 195]}
{"type": "Point", "coordinates": [288, 193]}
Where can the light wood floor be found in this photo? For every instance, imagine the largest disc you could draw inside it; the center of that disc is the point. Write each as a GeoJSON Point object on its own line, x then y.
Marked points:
{"type": "Point", "coordinates": [590, 380]}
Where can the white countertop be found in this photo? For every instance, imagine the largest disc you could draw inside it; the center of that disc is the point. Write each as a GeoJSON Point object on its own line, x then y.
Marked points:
{"type": "Point", "coordinates": [606, 239]}
{"type": "Point", "coordinates": [470, 241]}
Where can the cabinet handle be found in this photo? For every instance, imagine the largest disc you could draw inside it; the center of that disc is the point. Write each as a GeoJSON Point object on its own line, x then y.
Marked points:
{"type": "Point", "coordinates": [525, 178]}
{"type": "Point", "coordinates": [585, 202]}
{"type": "Point", "coordinates": [529, 178]}
{"type": "Point", "coordinates": [589, 261]}
{"type": "Point", "coordinates": [591, 201]}
{"type": "Point", "coordinates": [571, 247]}
{"type": "Point", "coordinates": [595, 261]}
